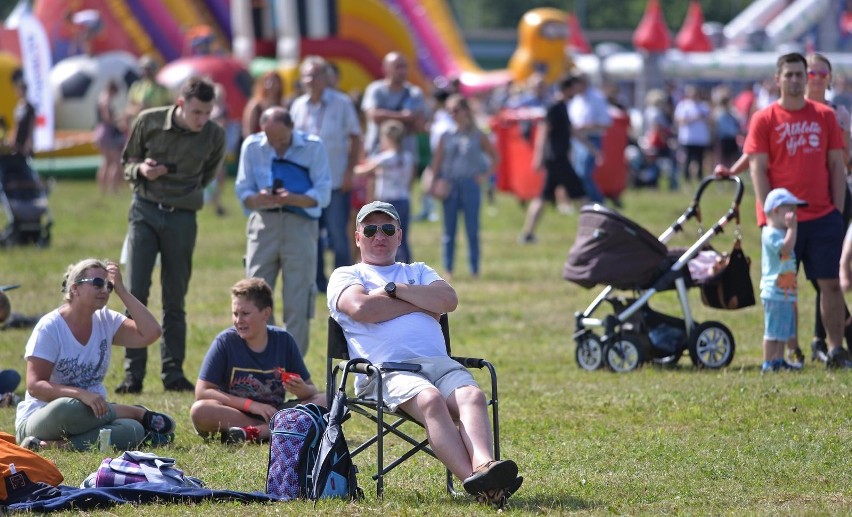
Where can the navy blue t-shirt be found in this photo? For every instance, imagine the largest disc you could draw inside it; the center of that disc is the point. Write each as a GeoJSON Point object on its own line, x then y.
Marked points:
{"type": "Point", "coordinates": [236, 369]}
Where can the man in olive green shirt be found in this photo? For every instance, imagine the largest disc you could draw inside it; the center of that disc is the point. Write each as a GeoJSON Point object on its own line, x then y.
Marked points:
{"type": "Point", "coordinates": [171, 155]}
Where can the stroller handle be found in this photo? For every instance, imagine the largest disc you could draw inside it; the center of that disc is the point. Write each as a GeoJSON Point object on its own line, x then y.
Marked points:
{"type": "Point", "coordinates": [710, 179]}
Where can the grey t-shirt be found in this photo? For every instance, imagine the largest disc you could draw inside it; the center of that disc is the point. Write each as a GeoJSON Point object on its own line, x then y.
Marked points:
{"type": "Point", "coordinates": [379, 95]}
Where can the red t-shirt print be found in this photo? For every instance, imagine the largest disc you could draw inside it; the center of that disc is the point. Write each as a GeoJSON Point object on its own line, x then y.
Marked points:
{"type": "Point", "coordinates": [797, 144]}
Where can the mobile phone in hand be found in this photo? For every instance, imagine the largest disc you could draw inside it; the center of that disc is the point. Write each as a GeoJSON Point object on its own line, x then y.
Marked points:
{"type": "Point", "coordinates": [171, 168]}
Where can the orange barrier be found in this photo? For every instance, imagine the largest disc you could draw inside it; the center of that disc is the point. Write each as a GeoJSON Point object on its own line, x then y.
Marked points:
{"type": "Point", "coordinates": [611, 175]}
{"type": "Point", "coordinates": [515, 134]}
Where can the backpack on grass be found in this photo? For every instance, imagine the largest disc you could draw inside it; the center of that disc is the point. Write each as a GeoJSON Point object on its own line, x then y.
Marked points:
{"type": "Point", "coordinates": [294, 443]}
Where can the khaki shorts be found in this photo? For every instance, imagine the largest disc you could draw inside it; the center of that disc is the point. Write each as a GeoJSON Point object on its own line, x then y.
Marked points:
{"type": "Point", "coordinates": [442, 372]}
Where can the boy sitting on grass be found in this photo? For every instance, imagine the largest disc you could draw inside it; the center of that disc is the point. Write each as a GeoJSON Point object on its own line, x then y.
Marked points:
{"type": "Point", "coordinates": [778, 278]}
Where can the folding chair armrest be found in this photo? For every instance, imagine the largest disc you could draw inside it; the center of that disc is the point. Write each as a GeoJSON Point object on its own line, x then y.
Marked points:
{"type": "Point", "coordinates": [471, 362]}
{"type": "Point", "coordinates": [360, 365]}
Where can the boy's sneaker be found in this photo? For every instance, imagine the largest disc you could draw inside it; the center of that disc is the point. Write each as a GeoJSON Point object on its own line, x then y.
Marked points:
{"type": "Point", "coordinates": [838, 358]}
{"type": "Point", "coordinates": [796, 358]}
{"type": "Point", "coordinates": [768, 366]}
{"type": "Point", "coordinates": [154, 422]}
{"type": "Point", "coordinates": [819, 351]}
{"type": "Point", "coordinates": [785, 365]}
{"type": "Point", "coordinates": [236, 435]}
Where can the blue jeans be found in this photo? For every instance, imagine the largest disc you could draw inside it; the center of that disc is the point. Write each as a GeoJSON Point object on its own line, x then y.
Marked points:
{"type": "Point", "coordinates": [403, 208]}
{"type": "Point", "coordinates": [335, 220]}
{"type": "Point", "coordinates": [584, 165]}
{"type": "Point", "coordinates": [466, 197]}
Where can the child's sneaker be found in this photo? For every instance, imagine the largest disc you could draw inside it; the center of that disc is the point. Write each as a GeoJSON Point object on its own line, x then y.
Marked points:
{"type": "Point", "coordinates": [788, 366]}
{"type": "Point", "coordinates": [768, 366]}
{"type": "Point", "coordinates": [796, 358]}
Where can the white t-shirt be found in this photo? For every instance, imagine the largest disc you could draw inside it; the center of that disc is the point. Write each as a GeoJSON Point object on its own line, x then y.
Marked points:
{"type": "Point", "coordinates": [393, 176]}
{"type": "Point", "coordinates": [409, 336]}
{"type": "Point", "coordinates": [693, 127]}
{"type": "Point", "coordinates": [74, 364]}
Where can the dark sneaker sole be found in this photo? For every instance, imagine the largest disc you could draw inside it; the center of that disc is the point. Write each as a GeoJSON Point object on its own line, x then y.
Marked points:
{"type": "Point", "coordinates": [499, 475]}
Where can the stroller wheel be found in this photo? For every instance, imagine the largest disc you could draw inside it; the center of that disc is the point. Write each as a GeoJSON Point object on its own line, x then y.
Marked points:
{"type": "Point", "coordinates": [669, 361]}
{"type": "Point", "coordinates": [589, 353]}
{"type": "Point", "coordinates": [711, 345]}
{"type": "Point", "coordinates": [625, 353]}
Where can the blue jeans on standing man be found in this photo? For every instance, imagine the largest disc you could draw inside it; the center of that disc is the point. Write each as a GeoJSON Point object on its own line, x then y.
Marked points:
{"type": "Point", "coordinates": [584, 165]}
{"type": "Point", "coordinates": [335, 220]}
{"type": "Point", "coordinates": [466, 197]}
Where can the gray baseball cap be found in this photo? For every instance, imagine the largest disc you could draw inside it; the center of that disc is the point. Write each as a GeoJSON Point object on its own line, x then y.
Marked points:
{"type": "Point", "coordinates": [376, 206]}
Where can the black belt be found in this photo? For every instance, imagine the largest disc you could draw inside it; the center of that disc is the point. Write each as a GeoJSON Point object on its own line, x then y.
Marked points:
{"type": "Point", "coordinates": [278, 210]}
{"type": "Point", "coordinates": [162, 206]}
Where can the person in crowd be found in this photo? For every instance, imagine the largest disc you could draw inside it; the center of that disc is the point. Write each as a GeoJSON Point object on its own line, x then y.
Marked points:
{"type": "Point", "coordinates": [726, 131]}
{"type": "Point", "coordinates": [23, 132]}
{"type": "Point", "coordinates": [110, 137]}
{"type": "Point", "coordinates": [818, 81]}
{"type": "Point", "coordinates": [393, 169]}
{"type": "Point", "coordinates": [692, 117]}
{"type": "Point", "coordinates": [464, 158]}
{"type": "Point", "coordinates": [393, 98]}
{"type": "Point", "coordinates": [329, 114]}
{"type": "Point", "coordinates": [655, 141]}
{"type": "Point", "coordinates": [268, 92]}
{"type": "Point", "coordinates": [68, 356]}
{"type": "Point", "coordinates": [378, 302]}
{"type": "Point", "coordinates": [590, 118]}
{"type": "Point", "coordinates": [251, 370]}
{"type": "Point", "coordinates": [172, 154]}
{"type": "Point", "coordinates": [284, 182]}
{"type": "Point", "coordinates": [146, 92]}
{"type": "Point", "coordinates": [778, 278]}
{"type": "Point", "coordinates": [440, 122]}
{"type": "Point", "coordinates": [14, 320]}
{"type": "Point", "coordinates": [552, 153]}
{"type": "Point", "coordinates": [793, 135]}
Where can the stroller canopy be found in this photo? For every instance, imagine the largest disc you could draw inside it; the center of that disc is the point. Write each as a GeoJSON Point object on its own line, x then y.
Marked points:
{"type": "Point", "coordinates": [610, 249]}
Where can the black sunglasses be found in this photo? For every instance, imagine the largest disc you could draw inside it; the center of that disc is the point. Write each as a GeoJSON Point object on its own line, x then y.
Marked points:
{"type": "Point", "coordinates": [370, 230]}
{"type": "Point", "coordinates": [98, 283]}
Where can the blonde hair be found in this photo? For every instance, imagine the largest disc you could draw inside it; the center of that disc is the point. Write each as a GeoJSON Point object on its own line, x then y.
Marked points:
{"type": "Point", "coordinates": [77, 272]}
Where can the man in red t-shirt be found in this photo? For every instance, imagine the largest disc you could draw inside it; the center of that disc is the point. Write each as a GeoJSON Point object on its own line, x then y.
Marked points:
{"type": "Point", "coordinates": [797, 144]}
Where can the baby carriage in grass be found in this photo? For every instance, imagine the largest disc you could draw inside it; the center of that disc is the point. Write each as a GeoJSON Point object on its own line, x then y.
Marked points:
{"type": "Point", "coordinates": [24, 201]}
{"type": "Point", "coordinates": [614, 251]}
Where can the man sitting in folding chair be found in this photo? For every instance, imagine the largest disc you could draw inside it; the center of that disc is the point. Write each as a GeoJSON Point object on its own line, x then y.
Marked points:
{"type": "Point", "coordinates": [389, 312]}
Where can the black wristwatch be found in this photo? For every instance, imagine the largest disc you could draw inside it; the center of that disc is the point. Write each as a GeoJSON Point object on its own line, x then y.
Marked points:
{"type": "Point", "coordinates": [390, 288]}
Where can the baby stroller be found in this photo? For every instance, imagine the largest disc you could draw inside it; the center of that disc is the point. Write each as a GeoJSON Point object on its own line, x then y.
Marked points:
{"type": "Point", "coordinates": [24, 200]}
{"type": "Point", "coordinates": [614, 251]}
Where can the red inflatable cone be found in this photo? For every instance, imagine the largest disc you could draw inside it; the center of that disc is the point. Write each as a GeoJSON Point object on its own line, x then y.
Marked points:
{"type": "Point", "coordinates": [652, 34]}
{"type": "Point", "coordinates": [576, 40]}
{"type": "Point", "coordinates": [691, 37]}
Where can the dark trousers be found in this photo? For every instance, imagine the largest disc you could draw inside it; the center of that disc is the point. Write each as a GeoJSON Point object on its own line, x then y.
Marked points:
{"type": "Point", "coordinates": [152, 230]}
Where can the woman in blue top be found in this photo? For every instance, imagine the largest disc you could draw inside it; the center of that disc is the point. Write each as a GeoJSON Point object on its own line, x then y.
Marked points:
{"type": "Point", "coordinates": [464, 157]}
{"type": "Point", "coordinates": [248, 371]}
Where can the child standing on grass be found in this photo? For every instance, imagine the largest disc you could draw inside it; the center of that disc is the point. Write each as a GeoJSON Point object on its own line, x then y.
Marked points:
{"type": "Point", "coordinates": [393, 168]}
{"type": "Point", "coordinates": [778, 278]}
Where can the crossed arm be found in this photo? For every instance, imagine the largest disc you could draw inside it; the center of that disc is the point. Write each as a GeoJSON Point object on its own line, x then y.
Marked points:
{"type": "Point", "coordinates": [376, 306]}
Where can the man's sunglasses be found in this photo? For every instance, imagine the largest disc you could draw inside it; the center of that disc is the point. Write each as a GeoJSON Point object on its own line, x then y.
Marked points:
{"type": "Point", "coordinates": [370, 230]}
{"type": "Point", "coordinates": [98, 283]}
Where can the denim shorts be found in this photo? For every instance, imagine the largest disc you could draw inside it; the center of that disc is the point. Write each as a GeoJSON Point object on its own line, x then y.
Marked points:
{"type": "Point", "coordinates": [779, 320]}
{"type": "Point", "coordinates": [818, 246]}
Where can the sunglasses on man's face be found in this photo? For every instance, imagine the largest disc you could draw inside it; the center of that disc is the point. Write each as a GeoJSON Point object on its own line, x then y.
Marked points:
{"type": "Point", "coordinates": [818, 73]}
{"type": "Point", "coordinates": [98, 283]}
{"type": "Point", "coordinates": [370, 230]}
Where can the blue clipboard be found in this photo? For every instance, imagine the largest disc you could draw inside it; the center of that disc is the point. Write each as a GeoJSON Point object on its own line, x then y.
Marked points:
{"type": "Point", "coordinates": [293, 177]}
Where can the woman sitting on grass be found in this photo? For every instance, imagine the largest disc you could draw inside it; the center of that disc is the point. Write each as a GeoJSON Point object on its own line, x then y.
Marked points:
{"type": "Point", "coordinates": [68, 356]}
{"type": "Point", "coordinates": [248, 371]}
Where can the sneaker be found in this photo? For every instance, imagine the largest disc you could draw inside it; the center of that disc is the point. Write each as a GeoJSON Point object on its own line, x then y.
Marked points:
{"type": "Point", "coordinates": [32, 443]}
{"type": "Point", "coordinates": [526, 238]}
{"type": "Point", "coordinates": [796, 358]}
{"type": "Point", "coordinates": [838, 358]}
{"type": "Point", "coordinates": [785, 365]}
{"type": "Point", "coordinates": [130, 384]}
{"type": "Point", "coordinates": [819, 351]}
{"type": "Point", "coordinates": [491, 475]}
{"type": "Point", "coordinates": [768, 366]}
{"type": "Point", "coordinates": [236, 435]}
{"type": "Point", "coordinates": [154, 422]}
{"type": "Point", "coordinates": [181, 384]}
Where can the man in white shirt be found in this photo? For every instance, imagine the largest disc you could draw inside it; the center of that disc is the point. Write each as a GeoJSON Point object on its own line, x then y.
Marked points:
{"type": "Point", "coordinates": [589, 115]}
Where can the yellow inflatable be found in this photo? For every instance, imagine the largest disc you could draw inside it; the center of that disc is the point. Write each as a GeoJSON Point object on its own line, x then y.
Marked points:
{"type": "Point", "coordinates": [8, 97]}
{"type": "Point", "coordinates": [541, 48]}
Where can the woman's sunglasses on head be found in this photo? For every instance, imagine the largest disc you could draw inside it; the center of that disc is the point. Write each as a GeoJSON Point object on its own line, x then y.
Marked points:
{"type": "Point", "coordinates": [370, 230]}
{"type": "Point", "coordinates": [97, 283]}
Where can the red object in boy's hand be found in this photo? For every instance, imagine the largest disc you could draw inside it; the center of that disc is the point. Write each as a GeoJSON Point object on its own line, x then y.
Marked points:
{"type": "Point", "coordinates": [287, 376]}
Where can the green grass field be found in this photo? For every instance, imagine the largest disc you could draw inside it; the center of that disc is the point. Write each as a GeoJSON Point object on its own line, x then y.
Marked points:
{"type": "Point", "coordinates": [652, 441]}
